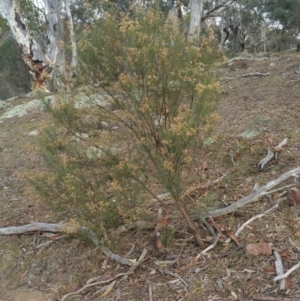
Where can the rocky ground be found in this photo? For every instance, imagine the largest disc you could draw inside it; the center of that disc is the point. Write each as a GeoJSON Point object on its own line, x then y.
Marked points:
{"type": "Point", "coordinates": [257, 112]}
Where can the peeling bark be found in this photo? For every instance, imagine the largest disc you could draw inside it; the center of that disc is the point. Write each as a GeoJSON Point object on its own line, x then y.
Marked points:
{"type": "Point", "coordinates": [196, 7]}
{"type": "Point", "coordinates": [197, 16]}
{"type": "Point", "coordinates": [45, 65]}
{"type": "Point", "coordinates": [73, 40]}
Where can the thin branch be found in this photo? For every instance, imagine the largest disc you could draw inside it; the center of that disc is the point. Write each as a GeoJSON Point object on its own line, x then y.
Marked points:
{"type": "Point", "coordinates": [176, 276]}
{"type": "Point", "coordinates": [67, 229]}
{"type": "Point", "coordinates": [269, 298]}
{"type": "Point", "coordinates": [279, 269]}
{"type": "Point", "coordinates": [254, 196]}
{"type": "Point", "coordinates": [287, 273]}
{"type": "Point", "coordinates": [241, 228]}
{"type": "Point", "coordinates": [94, 284]}
{"type": "Point", "coordinates": [270, 155]}
{"type": "Point", "coordinates": [210, 247]}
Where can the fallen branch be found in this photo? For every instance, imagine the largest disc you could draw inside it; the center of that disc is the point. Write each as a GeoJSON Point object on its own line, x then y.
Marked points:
{"type": "Point", "coordinates": [278, 147]}
{"type": "Point", "coordinates": [150, 293]}
{"type": "Point", "coordinates": [279, 269]}
{"type": "Point", "coordinates": [261, 191]}
{"type": "Point", "coordinates": [66, 229]}
{"type": "Point", "coordinates": [295, 246]}
{"type": "Point", "coordinates": [89, 284]}
{"type": "Point", "coordinates": [240, 229]}
{"type": "Point", "coordinates": [176, 276]}
{"type": "Point", "coordinates": [209, 247]}
{"type": "Point", "coordinates": [288, 272]}
{"type": "Point", "coordinates": [94, 284]}
{"type": "Point", "coordinates": [255, 74]}
{"type": "Point", "coordinates": [270, 155]}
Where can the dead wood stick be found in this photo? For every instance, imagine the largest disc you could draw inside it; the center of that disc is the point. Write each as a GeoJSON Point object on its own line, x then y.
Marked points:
{"type": "Point", "coordinates": [136, 265]}
{"type": "Point", "coordinates": [279, 269]}
{"type": "Point", "coordinates": [280, 188]}
{"type": "Point", "coordinates": [176, 276]}
{"type": "Point", "coordinates": [270, 155]}
{"type": "Point", "coordinates": [278, 147]}
{"type": "Point", "coordinates": [241, 228]}
{"type": "Point", "coordinates": [67, 229]}
{"type": "Point", "coordinates": [89, 284]}
{"type": "Point", "coordinates": [269, 298]}
{"type": "Point", "coordinates": [254, 196]}
{"type": "Point", "coordinates": [150, 293]}
{"type": "Point", "coordinates": [288, 272]}
{"type": "Point", "coordinates": [258, 74]}
{"type": "Point", "coordinates": [94, 284]}
{"type": "Point", "coordinates": [209, 247]}
{"type": "Point", "coordinates": [296, 247]}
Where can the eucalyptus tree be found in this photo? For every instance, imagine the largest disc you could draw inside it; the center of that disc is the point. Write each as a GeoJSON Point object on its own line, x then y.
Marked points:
{"type": "Point", "coordinates": [38, 29]}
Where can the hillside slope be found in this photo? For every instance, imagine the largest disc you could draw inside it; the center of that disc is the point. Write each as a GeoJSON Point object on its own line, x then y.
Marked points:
{"type": "Point", "coordinates": [256, 112]}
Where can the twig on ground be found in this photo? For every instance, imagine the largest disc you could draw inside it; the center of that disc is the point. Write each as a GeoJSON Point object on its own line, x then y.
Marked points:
{"type": "Point", "coordinates": [278, 147]}
{"type": "Point", "coordinates": [136, 265]}
{"type": "Point", "coordinates": [209, 247]}
{"type": "Point", "coordinates": [150, 293]}
{"type": "Point", "coordinates": [261, 191]}
{"type": "Point", "coordinates": [89, 284]}
{"type": "Point", "coordinates": [241, 228]}
{"type": "Point", "coordinates": [232, 159]}
{"type": "Point", "coordinates": [254, 74]}
{"type": "Point", "coordinates": [176, 276]}
{"type": "Point", "coordinates": [269, 298]}
{"type": "Point", "coordinates": [288, 272]}
{"type": "Point", "coordinates": [292, 81]}
{"type": "Point", "coordinates": [270, 155]}
{"type": "Point", "coordinates": [280, 188]}
{"type": "Point", "coordinates": [49, 242]}
{"type": "Point", "coordinates": [296, 247]}
{"type": "Point", "coordinates": [131, 250]}
{"type": "Point", "coordinates": [94, 284]}
{"type": "Point", "coordinates": [279, 269]}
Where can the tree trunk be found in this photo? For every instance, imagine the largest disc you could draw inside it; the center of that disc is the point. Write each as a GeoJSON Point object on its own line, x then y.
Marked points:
{"type": "Point", "coordinates": [44, 66]}
{"type": "Point", "coordinates": [196, 7]}
{"type": "Point", "coordinates": [55, 46]}
{"type": "Point", "coordinates": [73, 40]}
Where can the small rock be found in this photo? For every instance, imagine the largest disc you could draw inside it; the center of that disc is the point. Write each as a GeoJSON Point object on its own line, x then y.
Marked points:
{"type": "Point", "coordinates": [93, 152]}
{"type": "Point", "coordinates": [33, 133]}
{"type": "Point", "coordinates": [272, 65]}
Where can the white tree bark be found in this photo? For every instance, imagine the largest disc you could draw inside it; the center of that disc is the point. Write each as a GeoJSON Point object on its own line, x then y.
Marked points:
{"type": "Point", "coordinates": [31, 51]}
{"type": "Point", "coordinates": [196, 7]}
{"type": "Point", "coordinates": [55, 47]}
{"type": "Point", "coordinates": [73, 40]}
{"type": "Point", "coordinates": [45, 65]}
{"type": "Point", "coordinates": [196, 16]}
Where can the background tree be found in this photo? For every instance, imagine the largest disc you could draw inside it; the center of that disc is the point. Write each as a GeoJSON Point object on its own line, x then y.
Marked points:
{"type": "Point", "coordinates": [45, 60]}
{"type": "Point", "coordinates": [285, 15]}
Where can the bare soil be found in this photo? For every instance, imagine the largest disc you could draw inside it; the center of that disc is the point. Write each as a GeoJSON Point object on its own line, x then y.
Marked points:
{"type": "Point", "coordinates": [256, 113]}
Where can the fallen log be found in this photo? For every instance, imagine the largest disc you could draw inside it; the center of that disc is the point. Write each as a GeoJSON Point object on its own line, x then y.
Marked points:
{"type": "Point", "coordinates": [66, 229]}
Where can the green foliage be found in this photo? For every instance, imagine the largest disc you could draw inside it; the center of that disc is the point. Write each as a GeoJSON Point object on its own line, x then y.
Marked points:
{"type": "Point", "coordinates": [14, 77]}
{"type": "Point", "coordinates": [105, 162]}
{"type": "Point", "coordinates": [285, 12]}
